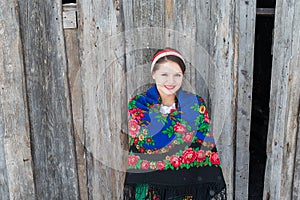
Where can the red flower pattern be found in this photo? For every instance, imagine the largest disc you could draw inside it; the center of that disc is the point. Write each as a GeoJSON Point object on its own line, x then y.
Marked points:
{"type": "Point", "coordinates": [214, 158]}
{"type": "Point", "coordinates": [179, 128]}
{"type": "Point", "coordinates": [175, 161]}
{"type": "Point", "coordinates": [137, 113]}
{"type": "Point", "coordinates": [206, 117]}
{"type": "Point", "coordinates": [134, 128]}
{"type": "Point", "coordinates": [132, 160]}
{"type": "Point", "coordinates": [142, 150]}
{"type": "Point", "coordinates": [188, 137]}
{"type": "Point", "coordinates": [161, 165]}
{"type": "Point", "coordinates": [188, 156]}
{"type": "Point", "coordinates": [149, 140]}
{"type": "Point", "coordinates": [136, 140]}
{"type": "Point", "coordinates": [145, 164]}
{"type": "Point", "coordinates": [201, 155]}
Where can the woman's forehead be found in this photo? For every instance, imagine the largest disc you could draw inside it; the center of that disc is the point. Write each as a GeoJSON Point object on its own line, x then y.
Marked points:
{"type": "Point", "coordinates": [169, 66]}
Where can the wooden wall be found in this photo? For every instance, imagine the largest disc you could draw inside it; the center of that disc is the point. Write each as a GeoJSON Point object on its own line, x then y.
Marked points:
{"type": "Point", "coordinates": [282, 178]}
{"type": "Point", "coordinates": [64, 91]}
{"type": "Point", "coordinates": [16, 172]}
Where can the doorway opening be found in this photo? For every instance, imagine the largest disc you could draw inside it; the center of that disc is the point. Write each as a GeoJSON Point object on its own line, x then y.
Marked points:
{"type": "Point", "coordinates": [261, 95]}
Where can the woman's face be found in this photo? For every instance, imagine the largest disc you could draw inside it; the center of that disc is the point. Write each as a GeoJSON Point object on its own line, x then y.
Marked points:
{"type": "Point", "coordinates": [168, 77]}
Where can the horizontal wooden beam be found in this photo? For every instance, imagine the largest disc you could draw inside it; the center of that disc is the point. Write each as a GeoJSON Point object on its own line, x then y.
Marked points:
{"type": "Point", "coordinates": [265, 11]}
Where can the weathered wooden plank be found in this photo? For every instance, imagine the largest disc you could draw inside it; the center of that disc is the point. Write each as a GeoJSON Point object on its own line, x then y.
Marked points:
{"type": "Point", "coordinates": [16, 177]}
{"type": "Point", "coordinates": [204, 38]}
{"type": "Point", "coordinates": [52, 135]}
{"type": "Point", "coordinates": [4, 188]}
{"type": "Point", "coordinates": [180, 34]}
{"type": "Point", "coordinates": [72, 51]}
{"type": "Point", "coordinates": [296, 181]}
{"type": "Point", "coordinates": [222, 85]}
{"type": "Point", "coordinates": [295, 101]}
{"type": "Point", "coordinates": [245, 25]}
{"type": "Point", "coordinates": [284, 104]}
{"type": "Point", "coordinates": [144, 34]}
{"type": "Point", "coordinates": [103, 94]}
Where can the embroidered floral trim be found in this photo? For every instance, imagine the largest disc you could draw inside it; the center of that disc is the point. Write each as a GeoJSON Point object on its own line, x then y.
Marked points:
{"type": "Point", "coordinates": [183, 159]}
{"type": "Point", "coordinates": [188, 138]}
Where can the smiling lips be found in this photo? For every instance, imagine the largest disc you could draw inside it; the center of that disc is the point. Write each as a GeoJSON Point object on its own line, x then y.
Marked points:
{"type": "Point", "coordinates": [169, 87]}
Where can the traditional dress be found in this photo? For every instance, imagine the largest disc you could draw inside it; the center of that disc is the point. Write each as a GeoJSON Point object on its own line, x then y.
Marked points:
{"type": "Point", "coordinates": [172, 152]}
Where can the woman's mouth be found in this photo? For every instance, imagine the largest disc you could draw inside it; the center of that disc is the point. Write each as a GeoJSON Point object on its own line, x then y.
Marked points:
{"type": "Point", "coordinates": [170, 87]}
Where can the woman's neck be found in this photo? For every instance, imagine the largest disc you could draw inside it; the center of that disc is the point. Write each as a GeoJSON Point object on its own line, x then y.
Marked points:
{"type": "Point", "coordinates": [167, 100]}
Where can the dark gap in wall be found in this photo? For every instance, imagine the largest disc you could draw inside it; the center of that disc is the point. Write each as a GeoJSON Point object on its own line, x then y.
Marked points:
{"type": "Point", "coordinates": [265, 3]}
{"type": "Point", "coordinates": [68, 1]}
{"type": "Point", "coordinates": [260, 101]}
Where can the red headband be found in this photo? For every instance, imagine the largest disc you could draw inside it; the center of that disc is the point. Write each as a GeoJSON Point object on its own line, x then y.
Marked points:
{"type": "Point", "coordinates": [163, 53]}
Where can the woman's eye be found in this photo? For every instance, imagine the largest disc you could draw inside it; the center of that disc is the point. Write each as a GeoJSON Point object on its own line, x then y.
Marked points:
{"type": "Point", "coordinates": [178, 75]}
{"type": "Point", "coordinates": [164, 74]}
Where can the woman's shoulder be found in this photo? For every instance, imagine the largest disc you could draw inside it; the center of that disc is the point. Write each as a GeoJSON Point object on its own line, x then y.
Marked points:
{"type": "Point", "coordinates": [141, 101]}
{"type": "Point", "coordinates": [193, 97]}
{"type": "Point", "coordinates": [148, 96]}
{"type": "Point", "coordinates": [137, 97]}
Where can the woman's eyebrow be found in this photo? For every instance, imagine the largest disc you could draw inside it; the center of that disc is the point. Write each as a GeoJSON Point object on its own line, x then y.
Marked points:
{"type": "Point", "coordinates": [171, 72]}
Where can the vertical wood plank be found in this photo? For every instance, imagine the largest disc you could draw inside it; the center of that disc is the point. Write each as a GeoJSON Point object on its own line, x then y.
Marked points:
{"type": "Point", "coordinates": [103, 95]}
{"type": "Point", "coordinates": [144, 33]}
{"type": "Point", "coordinates": [203, 55]}
{"type": "Point", "coordinates": [284, 105]}
{"type": "Point", "coordinates": [16, 177]}
{"type": "Point", "coordinates": [245, 25]}
{"type": "Point", "coordinates": [4, 189]}
{"type": "Point", "coordinates": [73, 52]}
{"type": "Point", "coordinates": [294, 124]}
{"type": "Point", "coordinates": [52, 136]}
{"type": "Point", "coordinates": [222, 85]}
{"type": "Point", "coordinates": [296, 181]}
{"type": "Point", "coordinates": [180, 33]}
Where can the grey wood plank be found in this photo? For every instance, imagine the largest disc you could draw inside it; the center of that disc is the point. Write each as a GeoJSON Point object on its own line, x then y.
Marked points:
{"type": "Point", "coordinates": [284, 105]}
{"type": "Point", "coordinates": [103, 87]}
{"type": "Point", "coordinates": [246, 17]}
{"type": "Point", "coordinates": [51, 127]}
{"type": "Point", "coordinates": [16, 179]}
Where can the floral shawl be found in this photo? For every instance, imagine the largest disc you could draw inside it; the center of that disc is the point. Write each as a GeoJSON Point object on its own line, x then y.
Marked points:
{"type": "Point", "coordinates": [171, 149]}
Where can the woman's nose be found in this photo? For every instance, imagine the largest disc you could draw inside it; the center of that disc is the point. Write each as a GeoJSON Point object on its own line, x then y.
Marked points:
{"type": "Point", "coordinates": [171, 79]}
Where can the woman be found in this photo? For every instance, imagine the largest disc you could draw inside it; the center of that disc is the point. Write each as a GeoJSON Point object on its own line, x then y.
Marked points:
{"type": "Point", "coordinates": [172, 153]}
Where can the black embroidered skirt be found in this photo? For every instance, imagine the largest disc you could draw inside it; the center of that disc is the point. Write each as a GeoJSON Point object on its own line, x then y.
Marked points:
{"type": "Point", "coordinates": [205, 183]}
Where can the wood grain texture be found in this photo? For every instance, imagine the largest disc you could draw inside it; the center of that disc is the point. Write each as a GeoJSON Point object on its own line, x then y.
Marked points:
{"type": "Point", "coordinates": [16, 177]}
{"type": "Point", "coordinates": [103, 97]}
{"type": "Point", "coordinates": [222, 85]}
{"type": "Point", "coordinates": [245, 26]}
{"type": "Point", "coordinates": [52, 135]}
{"type": "Point", "coordinates": [282, 159]}
{"type": "Point", "coordinates": [294, 125]}
{"type": "Point", "coordinates": [144, 33]}
{"type": "Point", "coordinates": [72, 50]}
